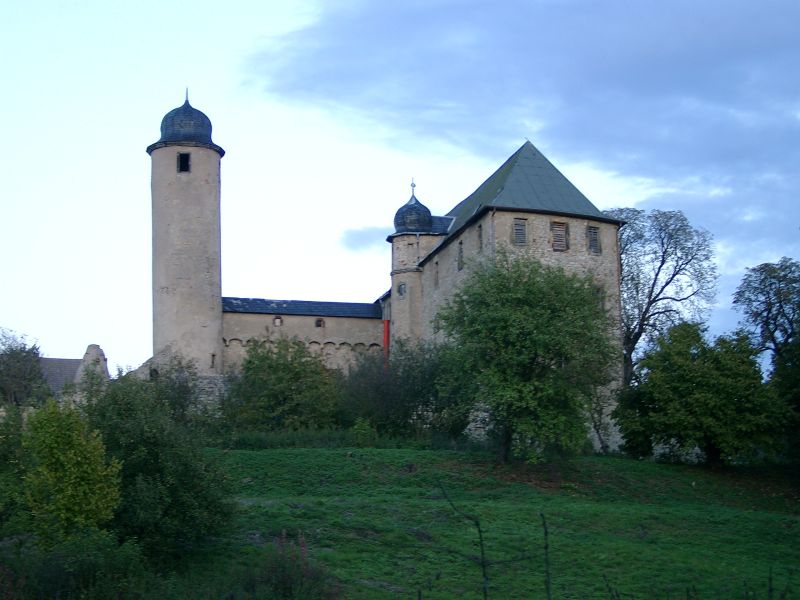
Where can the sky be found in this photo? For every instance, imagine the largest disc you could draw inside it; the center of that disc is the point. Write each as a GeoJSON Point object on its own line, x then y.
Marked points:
{"type": "Point", "coordinates": [327, 110]}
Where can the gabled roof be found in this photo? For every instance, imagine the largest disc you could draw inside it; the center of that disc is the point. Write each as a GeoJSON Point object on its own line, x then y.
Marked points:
{"type": "Point", "coordinates": [310, 308]}
{"type": "Point", "coordinates": [528, 182]}
{"type": "Point", "coordinates": [58, 372]}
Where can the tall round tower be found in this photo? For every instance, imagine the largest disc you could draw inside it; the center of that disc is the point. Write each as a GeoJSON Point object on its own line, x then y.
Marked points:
{"type": "Point", "coordinates": [187, 279]}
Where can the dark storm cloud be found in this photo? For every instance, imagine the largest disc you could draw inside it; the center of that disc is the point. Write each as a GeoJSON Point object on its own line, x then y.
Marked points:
{"type": "Point", "coordinates": [701, 96]}
{"type": "Point", "coordinates": [711, 81]}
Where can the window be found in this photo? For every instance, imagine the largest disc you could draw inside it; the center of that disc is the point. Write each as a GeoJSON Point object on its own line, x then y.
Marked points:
{"type": "Point", "coordinates": [480, 238]}
{"type": "Point", "coordinates": [183, 162]}
{"type": "Point", "coordinates": [401, 289]}
{"type": "Point", "coordinates": [460, 255]}
{"type": "Point", "coordinates": [593, 239]}
{"type": "Point", "coordinates": [277, 321]}
{"type": "Point", "coordinates": [319, 323]}
{"type": "Point", "coordinates": [436, 274]}
{"type": "Point", "coordinates": [560, 233]}
{"type": "Point", "coordinates": [519, 235]}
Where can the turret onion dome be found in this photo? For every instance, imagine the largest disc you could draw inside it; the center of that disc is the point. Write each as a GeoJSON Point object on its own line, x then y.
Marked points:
{"type": "Point", "coordinates": [413, 217]}
{"type": "Point", "coordinates": [185, 126]}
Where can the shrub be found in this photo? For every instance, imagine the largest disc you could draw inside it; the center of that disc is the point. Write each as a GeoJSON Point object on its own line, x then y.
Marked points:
{"type": "Point", "coordinates": [173, 496]}
{"type": "Point", "coordinates": [68, 483]}
{"type": "Point", "coordinates": [283, 385]}
{"type": "Point", "coordinates": [402, 396]}
{"type": "Point", "coordinates": [287, 573]}
{"type": "Point", "coordinates": [89, 565]}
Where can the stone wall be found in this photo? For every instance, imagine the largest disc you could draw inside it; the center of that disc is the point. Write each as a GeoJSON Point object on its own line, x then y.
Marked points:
{"type": "Point", "coordinates": [339, 340]}
{"type": "Point", "coordinates": [442, 276]}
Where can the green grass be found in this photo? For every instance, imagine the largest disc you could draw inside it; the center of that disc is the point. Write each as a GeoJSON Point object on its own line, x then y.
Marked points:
{"type": "Point", "coordinates": [378, 521]}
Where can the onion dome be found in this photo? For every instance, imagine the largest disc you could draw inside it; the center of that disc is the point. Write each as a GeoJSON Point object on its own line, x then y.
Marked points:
{"type": "Point", "coordinates": [186, 126]}
{"type": "Point", "coordinates": [413, 217]}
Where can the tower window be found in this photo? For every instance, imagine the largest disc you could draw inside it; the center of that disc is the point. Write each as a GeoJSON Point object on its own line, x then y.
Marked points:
{"type": "Point", "coordinates": [183, 162]}
{"type": "Point", "coordinates": [277, 321]}
{"type": "Point", "coordinates": [401, 289]}
{"type": "Point", "coordinates": [520, 232]}
{"type": "Point", "coordinates": [560, 233]}
{"type": "Point", "coordinates": [319, 323]}
{"type": "Point", "coordinates": [593, 239]}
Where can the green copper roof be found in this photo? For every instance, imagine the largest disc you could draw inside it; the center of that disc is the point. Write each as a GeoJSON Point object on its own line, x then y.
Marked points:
{"type": "Point", "coordinates": [528, 182]}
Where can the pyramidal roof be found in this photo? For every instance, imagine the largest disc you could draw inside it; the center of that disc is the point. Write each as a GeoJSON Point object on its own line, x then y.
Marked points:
{"type": "Point", "coordinates": [528, 182]}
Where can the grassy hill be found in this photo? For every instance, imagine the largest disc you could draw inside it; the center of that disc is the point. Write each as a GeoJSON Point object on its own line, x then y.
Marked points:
{"type": "Point", "coordinates": [378, 520]}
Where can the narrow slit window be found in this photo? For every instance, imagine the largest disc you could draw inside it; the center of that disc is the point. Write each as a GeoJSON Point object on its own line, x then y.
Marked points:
{"type": "Point", "coordinates": [520, 232]}
{"type": "Point", "coordinates": [460, 255]}
{"type": "Point", "coordinates": [560, 233]}
{"type": "Point", "coordinates": [436, 274]}
{"type": "Point", "coordinates": [480, 238]}
{"type": "Point", "coordinates": [184, 163]}
{"type": "Point", "coordinates": [593, 239]}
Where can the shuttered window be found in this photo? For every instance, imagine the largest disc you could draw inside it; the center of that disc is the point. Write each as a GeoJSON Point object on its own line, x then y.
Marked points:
{"type": "Point", "coordinates": [593, 239]}
{"type": "Point", "coordinates": [560, 233]}
{"type": "Point", "coordinates": [519, 235]}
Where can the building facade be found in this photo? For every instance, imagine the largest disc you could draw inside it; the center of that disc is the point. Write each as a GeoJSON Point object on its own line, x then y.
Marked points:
{"type": "Point", "coordinates": [527, 206]}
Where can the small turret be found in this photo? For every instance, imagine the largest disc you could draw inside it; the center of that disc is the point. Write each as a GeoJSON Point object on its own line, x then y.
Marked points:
{"type": "Point", "coordinates": [186, 126]}
{"type": "Point", "coordinates": [413, 216]}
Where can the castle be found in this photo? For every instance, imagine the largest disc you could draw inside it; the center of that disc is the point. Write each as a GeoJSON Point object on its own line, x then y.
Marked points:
{"type": "Point", "coordinates": [526, 206]}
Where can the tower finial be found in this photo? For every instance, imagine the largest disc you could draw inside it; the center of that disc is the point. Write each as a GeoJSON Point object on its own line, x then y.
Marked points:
{"type": "Point", "coordinates": [187, 93]}
{"type": "Point", "coordinates": [413, 185]}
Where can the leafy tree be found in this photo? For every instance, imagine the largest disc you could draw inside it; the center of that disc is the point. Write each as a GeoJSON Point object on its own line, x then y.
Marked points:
{"type": "Point", "coordinates": [11, 498]}
{"type": "Point", "coordinates": [402, 396]}
{"type": "Point", "coordinates": [173, 496]}
{"type": "Point", "coordinates": [21, 379]}
{"type": "Point", "coordinates": [668, 275]}
{"type": "Point", "coordinates": [69, 485]}
{"type": "Point", "coordinates": [534, 343]}
{"type": "Point", "coordinates": [283, 385]}
{"type": "Point", "coordinates": [769, 299]}
{"type": "Point", "coordinates": [699, 395]}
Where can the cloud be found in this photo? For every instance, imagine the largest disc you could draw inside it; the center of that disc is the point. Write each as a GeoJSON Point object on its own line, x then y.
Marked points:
{"type": "Point", "coordinates": [678, 105]}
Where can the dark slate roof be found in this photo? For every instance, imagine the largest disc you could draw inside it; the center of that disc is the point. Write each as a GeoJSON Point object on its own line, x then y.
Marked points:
{"type": "Point", "coordinates": [529, 182]}
{"type": "Point", "coordinates": [441, 224]}
{"type": "Point", "coordinates": [58, 372]}
{"type": "Point", "coordinates": [360, 310]}
{"type": "Point", "coordinates": [185, 126]}
{"type": "Point", "coordinates": [413, 217]}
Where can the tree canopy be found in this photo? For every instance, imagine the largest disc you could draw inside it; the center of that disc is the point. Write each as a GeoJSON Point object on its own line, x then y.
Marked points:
{"type": "Point", "coordinates": [694, 394]}
{"type": "Point", "coordinates": [769, 300]}
{"type": "Point", "coordinates": [533, 344]}
{"type": "Point", "coordinates": [21, 379]}
{"type": "Point", "coordinates": [668, 275]}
